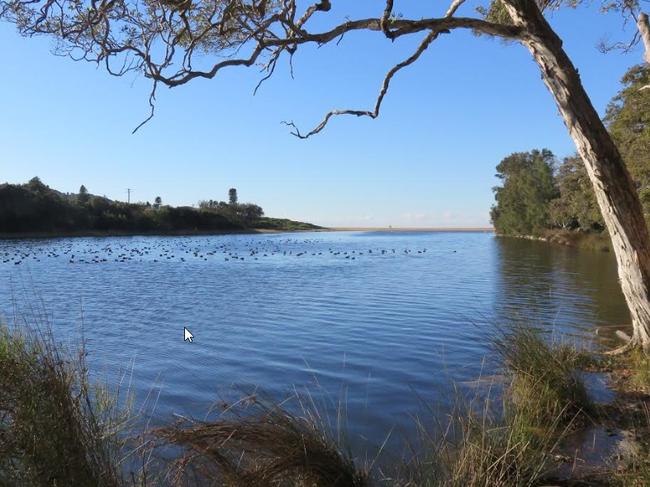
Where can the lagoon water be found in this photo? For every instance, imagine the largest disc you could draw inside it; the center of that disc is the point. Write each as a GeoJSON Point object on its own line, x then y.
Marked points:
{"type": "Point", "coordinates": [380, 325]}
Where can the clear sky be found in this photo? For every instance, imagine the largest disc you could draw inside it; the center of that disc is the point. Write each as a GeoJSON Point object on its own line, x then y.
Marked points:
{"type": "Point", "coordinates": [427, 161]}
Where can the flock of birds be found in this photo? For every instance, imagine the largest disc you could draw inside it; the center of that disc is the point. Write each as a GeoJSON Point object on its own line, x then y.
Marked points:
{"type": "Point", "coordinates": [181, 250]}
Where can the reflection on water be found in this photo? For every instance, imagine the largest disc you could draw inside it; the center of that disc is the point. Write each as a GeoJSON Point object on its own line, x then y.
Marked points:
{"type": "Point", "coordinates": [384, 322]}
{"type": "Point", "coordinates": [574, 290]}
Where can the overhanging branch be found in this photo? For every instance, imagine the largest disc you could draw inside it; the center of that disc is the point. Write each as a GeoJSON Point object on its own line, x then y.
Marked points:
{"type": "Point", "coordinates": [170, 40]}
{"type": "Point", "coordinates": [380, 98]}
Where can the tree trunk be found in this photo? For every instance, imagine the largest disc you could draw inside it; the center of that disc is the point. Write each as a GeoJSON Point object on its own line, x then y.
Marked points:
{"type": "Point", "coordinates": [615, 191]}
{"type": "Point", "coordinates": [644, 30]}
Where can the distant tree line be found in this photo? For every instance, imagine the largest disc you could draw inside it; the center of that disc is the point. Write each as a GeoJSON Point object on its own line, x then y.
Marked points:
{"type": "Point", "coordinates": [246, 213]}
{"type": "Point", "coordinates": [538, 193]}
{"type": "Point", "coordinates": [35, 207]}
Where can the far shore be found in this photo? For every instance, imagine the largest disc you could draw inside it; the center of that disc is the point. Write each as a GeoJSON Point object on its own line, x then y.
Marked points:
{"type": "Point", "coordinates": [409, 229]}
{"type": "Point", "coordinates": [244, 231]}
{"type": "Point", "coordinates": [136, 233]}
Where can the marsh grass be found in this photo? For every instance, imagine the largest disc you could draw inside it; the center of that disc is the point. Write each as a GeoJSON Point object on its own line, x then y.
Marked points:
{"type": "Point", "coordinates": [544, 381]}
{"type": "Point", "coordinates": [635, 367]}
{"type": "Point", "coordinates": [55, 427]}
{"type": "Point", "coordinates": [485, 443]}
{"type": "Point", "coordinates": [261, 444]}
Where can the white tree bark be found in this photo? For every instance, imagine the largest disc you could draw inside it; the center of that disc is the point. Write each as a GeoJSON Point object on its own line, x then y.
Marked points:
{"type": "Point", "coordinates": [644, 30]}
{"type": "Point", "coordinates": [613, 185]}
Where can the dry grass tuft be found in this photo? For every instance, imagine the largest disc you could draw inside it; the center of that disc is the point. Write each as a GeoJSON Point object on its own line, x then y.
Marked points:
{"type": "Point", "coordinates": [264, 446]}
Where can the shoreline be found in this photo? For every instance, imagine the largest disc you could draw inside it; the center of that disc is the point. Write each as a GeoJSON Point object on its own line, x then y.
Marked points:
{"type": "Point", "coordinates": [412, 229]}
{"type": "Point", "coordinates": [138, 233]}
{"type": "Point", "coordinates": [572, 239]}
{"type": "Point", "coordinates": [234, 231]}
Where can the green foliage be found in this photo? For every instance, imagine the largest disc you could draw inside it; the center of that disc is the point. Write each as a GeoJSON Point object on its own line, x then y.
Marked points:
{"type": "Point", "coordinates": [34, 207]}
{"type": "Point", "coordinates": [495, 12]}
{"type": "Point", "coordinates": [523, 200]}
{"type": "Point", "coordinates": [52, 430]}
{"type": "Point", "coordinates": [483, 449]}
{"type": "Point", "coordinates": [576, 207]}
{"type": "Point", "coordinates": [544, 382]}
{"type": "Point", "coordinates": [249, 213]}
{"type": "Point", "coordinates": [628, 120]}
{"type": "Point", "coordinates": [284, 224]}
{"type": "Point", "coordinates": [637, 366]}
{"type": "Point", "coordinates": [83, 196]}
{"type": "Point", "coordinates": [522, 203]}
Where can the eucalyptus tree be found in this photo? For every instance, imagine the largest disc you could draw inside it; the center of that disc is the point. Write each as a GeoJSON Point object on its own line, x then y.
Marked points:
{"type": "Point", "coordinates": [170, 42]}
{"type": "Point", "coordinates": [523, 199]}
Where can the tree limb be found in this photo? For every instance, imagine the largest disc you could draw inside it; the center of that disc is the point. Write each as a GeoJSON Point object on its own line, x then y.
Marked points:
{"type": "Point", "coordinates": [382, 92]}
{"type": "Point", "coordinates": [453, 7]}
{"type": "Point", "coordinates": [644, 29]}
{"type": "Point", "coordinates": [171, 41]}
{"type": "Point", "coordinates": [388, 11]}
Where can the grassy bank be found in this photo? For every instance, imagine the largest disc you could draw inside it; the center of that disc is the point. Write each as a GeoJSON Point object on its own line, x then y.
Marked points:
{"type": "Point", "coordinates": [284, 225]}
{"type": "Point", "coordinates": [57, 428]}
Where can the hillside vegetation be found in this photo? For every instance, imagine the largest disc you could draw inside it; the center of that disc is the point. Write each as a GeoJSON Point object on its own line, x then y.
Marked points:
{"type": "Point", "coordinates": [36, 208]}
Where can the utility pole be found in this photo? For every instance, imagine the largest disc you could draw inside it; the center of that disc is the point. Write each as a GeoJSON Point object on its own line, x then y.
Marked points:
{"type": "Point", "coordinates": [128, 193]}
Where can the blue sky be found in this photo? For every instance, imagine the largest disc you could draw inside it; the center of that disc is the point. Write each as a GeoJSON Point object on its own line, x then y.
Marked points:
{"type": "Point", "coordinates": [427, 161]}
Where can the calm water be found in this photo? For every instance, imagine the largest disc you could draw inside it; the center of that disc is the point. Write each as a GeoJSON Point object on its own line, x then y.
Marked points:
{"type": "Point", "coordinates": [383, 322]}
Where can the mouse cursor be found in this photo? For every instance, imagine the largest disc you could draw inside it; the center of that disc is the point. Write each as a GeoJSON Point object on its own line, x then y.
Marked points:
{"type": "Point", "coordinates": [187, 336]}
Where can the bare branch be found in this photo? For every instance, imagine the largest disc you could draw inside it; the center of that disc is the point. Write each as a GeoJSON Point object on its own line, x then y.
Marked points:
{"type": "Point", "coordinates": [625, 47]}
{"type": "Point", "coordinates": [173, 42]}
{"type": "Point", "coordinates": [322, 6]}
{"type": "Point", "coordinates": [382, 92]}
{"type": "Point", "coordinates": [388, 11]}
{"type": "Point", "coordinates": [404, 27]}
{"type": "Point", "coordinates": [152, 107]}
{"type": "Point", "coordinates": [453, 7]}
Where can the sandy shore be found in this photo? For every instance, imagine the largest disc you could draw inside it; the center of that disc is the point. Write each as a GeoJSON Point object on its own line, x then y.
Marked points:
{"type": "Point", "coordinates": [410, 229]}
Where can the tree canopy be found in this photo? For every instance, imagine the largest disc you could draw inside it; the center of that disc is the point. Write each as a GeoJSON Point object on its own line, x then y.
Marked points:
{"type": "Point", "coordinates": [628, 120]}
{"type": "Point", "coordinates": [575, 208]}
{"type": "Point", "coordinates": [522, 203]}
{"type": "Point", "coordinates": [173, 42]}
{"type": "Point", "coordinates": [528, 187]}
